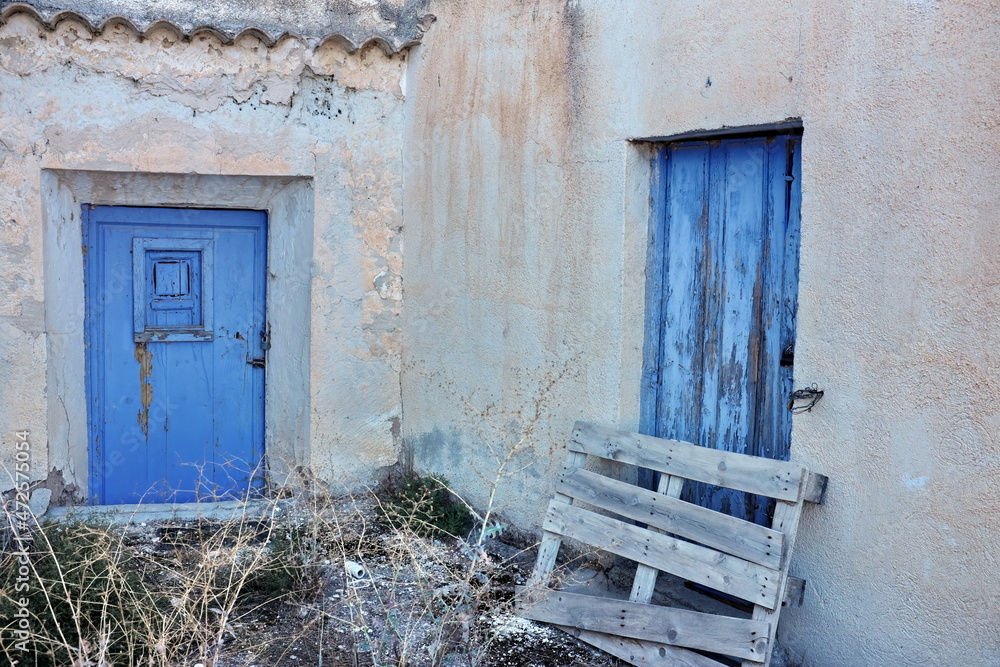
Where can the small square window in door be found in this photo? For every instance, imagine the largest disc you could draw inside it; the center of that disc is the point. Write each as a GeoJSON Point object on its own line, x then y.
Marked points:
{"type": "Point", "coordinates": [172, 293]}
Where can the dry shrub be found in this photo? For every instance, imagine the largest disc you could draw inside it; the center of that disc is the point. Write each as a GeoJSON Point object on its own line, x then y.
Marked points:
{"type": "Point", "coordinates": [275, 582]}
{"type": "Point", "coordinates": [99, 595]}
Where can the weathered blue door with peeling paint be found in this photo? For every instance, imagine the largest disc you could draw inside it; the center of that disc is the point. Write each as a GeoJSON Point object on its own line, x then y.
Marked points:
{"type": "Point", "coordinates": [176, 339]}
{"type": "Point", "coordinates": [722, 292]}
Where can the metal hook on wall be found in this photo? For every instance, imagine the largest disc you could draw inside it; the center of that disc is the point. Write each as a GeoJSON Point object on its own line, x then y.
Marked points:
{"type": "Point", "coordinates": [810, 395]}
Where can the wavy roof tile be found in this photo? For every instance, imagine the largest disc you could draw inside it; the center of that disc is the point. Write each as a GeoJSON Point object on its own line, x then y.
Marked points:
{"type": "Point", "coordinates": [392, 24]}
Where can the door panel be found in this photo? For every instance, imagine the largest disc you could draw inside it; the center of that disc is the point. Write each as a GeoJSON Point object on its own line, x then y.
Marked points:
{"type": "Point", "coordinates": [175, 314]}
{"type": "Point", "coordinates": [721, 300]}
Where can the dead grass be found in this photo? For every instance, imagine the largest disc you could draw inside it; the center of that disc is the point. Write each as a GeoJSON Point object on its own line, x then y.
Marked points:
{"type": "Point", "coordinates": [280, 586]}
{"type": "Point", "coordinates": [260, 591]}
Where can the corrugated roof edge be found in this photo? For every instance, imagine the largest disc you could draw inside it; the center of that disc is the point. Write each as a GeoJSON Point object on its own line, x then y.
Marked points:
{"type": "Point", "coordinates": [393, 26]}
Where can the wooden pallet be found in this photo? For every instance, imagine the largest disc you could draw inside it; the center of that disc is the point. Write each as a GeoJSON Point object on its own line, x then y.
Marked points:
{"type": "Point", "coordinates": [730, 555]}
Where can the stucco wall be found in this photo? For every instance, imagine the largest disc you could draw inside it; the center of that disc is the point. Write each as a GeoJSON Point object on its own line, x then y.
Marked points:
{"type": "Point", "coordinates": [70, 100]}
{"type": "Point", "coordinates": [525, 212]}
{"type": "Point", "coordinates": [525, 217]}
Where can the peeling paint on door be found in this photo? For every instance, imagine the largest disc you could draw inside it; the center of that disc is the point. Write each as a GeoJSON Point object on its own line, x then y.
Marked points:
{"type": "Point", "coordinates": [176, 403]}
{"type": "Point", "coordinates": [145, 359]}
{"type": "Point", "coordinates": [721, 302]}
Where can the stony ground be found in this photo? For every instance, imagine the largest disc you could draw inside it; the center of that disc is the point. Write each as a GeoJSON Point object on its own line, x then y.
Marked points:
{"type": "Point", "coordinates": [349, 621]}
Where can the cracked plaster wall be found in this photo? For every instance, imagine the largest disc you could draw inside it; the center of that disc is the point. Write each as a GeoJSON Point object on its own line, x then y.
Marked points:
{"type": "Point", "coordinates": [526, 224]}
{"type": "Point", "coordinates": [114, 102]}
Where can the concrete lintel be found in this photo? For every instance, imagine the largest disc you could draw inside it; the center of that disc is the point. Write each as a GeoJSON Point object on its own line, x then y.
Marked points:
{"type": "Point", "coordinates": [790, 125]}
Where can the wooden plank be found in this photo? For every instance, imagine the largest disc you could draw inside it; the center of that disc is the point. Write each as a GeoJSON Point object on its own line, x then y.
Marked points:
{"type": "Point", "coordinates": [727, 635]}
{"type": "Point", "coordinates": [548, 549]}
{"type": "Point", "coordinates": [740, 538]}
{"type": "Point", "coordinates": [790, 283]}
{"type": "Point", "coordinates": [645, 576]}
{"type": "Point", "coordinates": [786, 515]}
{"type": "Point", "coordinates": [795, 592]}
{"type": "Point", "coordinates": [772, 421]}
{"type": "Point", "coordinates": [814, 490]}
{"type": "Point", "coordinates": [642, 653]}
{"type": "Point", "coordinates": [749, 581]}
{"type": "Point", "coordinates": [775, 479]}
{"type": "Point", "coordinates": [733, 293]}
{"type": "Point", "coordinates": [786, 519]}
{"type": "Point", "coordinates": [679, 307]}
{"type": "Point", "coordinates": [651, 354]}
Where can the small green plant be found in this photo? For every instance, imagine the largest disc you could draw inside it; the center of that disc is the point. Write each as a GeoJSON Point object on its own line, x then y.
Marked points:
{"type": "Point", "coordinates": [427, 507]}
{"type": "Point", "coordinates": [287, 570]}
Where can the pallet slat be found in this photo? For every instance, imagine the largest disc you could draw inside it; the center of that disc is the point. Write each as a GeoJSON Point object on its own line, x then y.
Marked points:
{"type": "Point", "coordinates": [749, 581]}
{"type": "Point", "coordinates": [727, 635]}
{"type": "Point", "coordinates": [814, 488]}
{"type": "Point", "coordinates": [766, 477]}
{"type": "Point", "coordinates": [643, 653]}
{"type": "Point", "coordinates": [786, 517]}
{"type": "Point", "coordinates": [739, 558]}
{"type": "Point", "coordinates": [644, 581]}
{"type": "Point", "coordinates": [549, 547]}
{"type": "Point", "coordinates": [740, 538]}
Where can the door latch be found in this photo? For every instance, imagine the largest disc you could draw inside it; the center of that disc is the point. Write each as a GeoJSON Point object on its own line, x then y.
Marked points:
{"type": "Point", "coordinates": [265, 345]}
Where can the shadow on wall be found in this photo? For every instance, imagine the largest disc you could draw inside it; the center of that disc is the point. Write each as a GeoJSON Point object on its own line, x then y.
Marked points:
{"type": "Point", "coordinates": [437, 451]}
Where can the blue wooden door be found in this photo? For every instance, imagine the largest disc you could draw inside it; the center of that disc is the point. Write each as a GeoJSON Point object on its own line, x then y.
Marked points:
{"type": "Point", "coordinates": [176, 334]}
{"type": "Point", "coordinates": [721, 301]}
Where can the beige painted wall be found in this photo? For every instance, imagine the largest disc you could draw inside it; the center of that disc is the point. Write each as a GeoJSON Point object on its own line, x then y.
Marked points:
{"type": "Point", "coordinates": [525, 218]}
{"type": "Point", "coordinates": [525, 212]}
{"type": "Point", "coordinates": [116, 103]}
